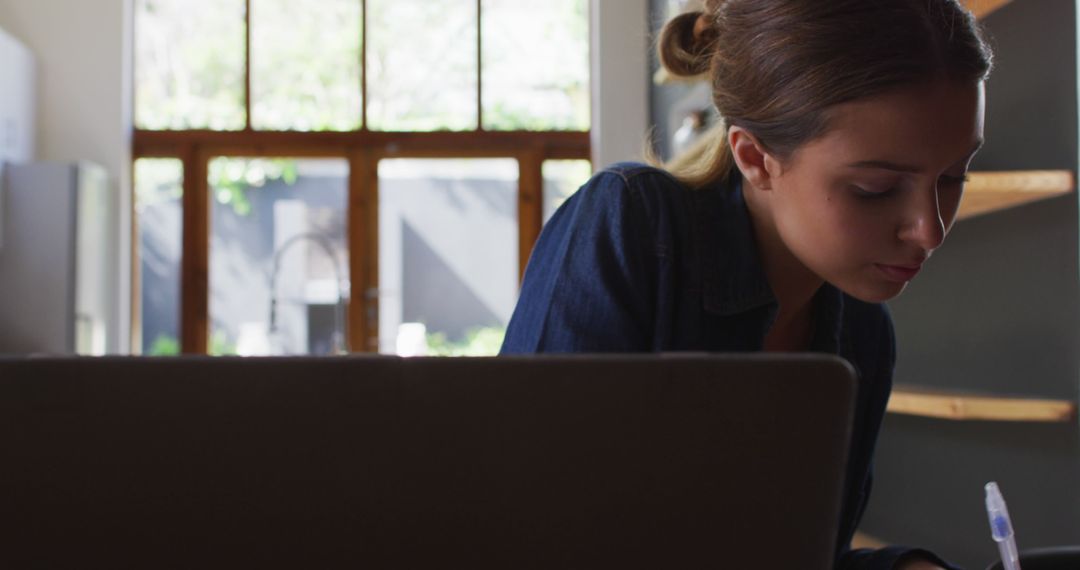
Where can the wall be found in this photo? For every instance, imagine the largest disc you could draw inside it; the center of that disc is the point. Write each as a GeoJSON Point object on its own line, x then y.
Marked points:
{"type": "Point", "coordinates": [996, 311]}
{"type": "Point", "coordinates": [620, 81]}
{"type": "Point", "coordinates": [83, 102]}
{"type": "Point", "coordinates": [17, 127]}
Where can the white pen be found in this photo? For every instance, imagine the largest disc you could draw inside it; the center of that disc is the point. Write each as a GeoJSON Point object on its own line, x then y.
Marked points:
{"type": "Point", "coordinates": [1001, 527]}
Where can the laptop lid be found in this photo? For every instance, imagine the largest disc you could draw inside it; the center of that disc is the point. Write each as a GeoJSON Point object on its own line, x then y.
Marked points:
{"type": "Point", "coordinates": [380, 462]}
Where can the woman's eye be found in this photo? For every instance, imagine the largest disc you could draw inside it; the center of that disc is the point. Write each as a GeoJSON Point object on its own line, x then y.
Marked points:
{"type": "Point", "coordinates": [870, 192]}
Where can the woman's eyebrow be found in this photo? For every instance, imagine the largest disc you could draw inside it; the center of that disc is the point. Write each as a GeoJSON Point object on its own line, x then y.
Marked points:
{"type": "Point", "coordinates": [888, 165]}
{"type": "Point", "coordinates": [884, 165]}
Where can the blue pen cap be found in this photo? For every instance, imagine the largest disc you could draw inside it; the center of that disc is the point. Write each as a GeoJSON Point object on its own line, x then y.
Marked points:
{"type": "Point", "coordinates": [998, 513]}
{"type": "Point", "coordinates": [1000, 528]}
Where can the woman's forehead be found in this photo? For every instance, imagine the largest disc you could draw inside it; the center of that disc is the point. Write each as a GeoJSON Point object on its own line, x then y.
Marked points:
{"type": "Point", "coordinates": [919, 127]}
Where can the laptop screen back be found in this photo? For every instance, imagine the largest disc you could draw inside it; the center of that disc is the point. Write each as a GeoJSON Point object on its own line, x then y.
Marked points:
{"type": "Point", "coordinates": [376, 462]}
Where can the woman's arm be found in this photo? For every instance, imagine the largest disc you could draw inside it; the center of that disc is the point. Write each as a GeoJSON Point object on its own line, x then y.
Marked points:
{"type": "Point", "coordinates": [878, 375]}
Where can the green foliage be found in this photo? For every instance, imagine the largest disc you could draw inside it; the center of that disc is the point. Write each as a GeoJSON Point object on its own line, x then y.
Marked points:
{"type": "Point", "coordinates": [167, 345]}
{"type": "Point", "coordinates": [536, 67]}
{"type": "Point", "coordinates": [426, 82]}
{"type": "Point", "coordinates": [421, 63]}
{"type": "Point", "coordinates": [189, 64]}
{"type": "Point", "coordinates": [306, 65]}
{"type": "Point", "coordinates": [479, 341]}
{"type": "Point", "coordinates": [232, 178]}
{"type": "Point", "coordinates": [164, 345]}
{"type": "Point", "coordinates": [220, 345]}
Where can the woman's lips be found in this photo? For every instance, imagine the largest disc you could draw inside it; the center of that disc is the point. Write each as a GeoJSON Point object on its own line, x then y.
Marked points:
{"type": "Point", "coordinates": [899, 273]}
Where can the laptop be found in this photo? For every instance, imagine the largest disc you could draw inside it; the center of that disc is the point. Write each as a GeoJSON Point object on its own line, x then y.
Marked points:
{"type": "Point", "coordinates": [576, 461]}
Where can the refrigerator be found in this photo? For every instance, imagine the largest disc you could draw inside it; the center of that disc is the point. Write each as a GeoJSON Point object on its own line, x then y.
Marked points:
{"type": "Point", "coordinates": [54, 259]}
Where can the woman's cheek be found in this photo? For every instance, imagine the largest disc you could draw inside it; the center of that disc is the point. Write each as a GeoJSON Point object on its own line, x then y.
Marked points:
{"type": "Point", "coordinates": [858, 215]}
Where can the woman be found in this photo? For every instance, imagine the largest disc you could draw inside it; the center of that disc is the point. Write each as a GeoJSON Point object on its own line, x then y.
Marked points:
{"type": "Point", "coordinates": [848, 129]}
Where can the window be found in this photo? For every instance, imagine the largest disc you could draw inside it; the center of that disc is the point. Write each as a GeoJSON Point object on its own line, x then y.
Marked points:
{"type": "Point", "coordinates": [448, 231]}
{"type": "Point", "coordinates": [159, 214]}
{"type": "Point", "coordinates": [278, 256]}
{"type": "Point", "coordinates": [349, 175]}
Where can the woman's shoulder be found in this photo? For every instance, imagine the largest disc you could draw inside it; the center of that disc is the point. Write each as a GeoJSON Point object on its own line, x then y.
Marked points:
{"type": "Point", "coordinates": [639, 176]}
{"type": "Point", "coordinates": [629, 208]}
{"type": "Point", "coordinates": [651, 190]}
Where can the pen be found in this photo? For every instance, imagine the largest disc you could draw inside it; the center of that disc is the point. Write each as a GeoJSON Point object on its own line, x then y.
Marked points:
{"type": "Point", "coordinates": [1001, 527]}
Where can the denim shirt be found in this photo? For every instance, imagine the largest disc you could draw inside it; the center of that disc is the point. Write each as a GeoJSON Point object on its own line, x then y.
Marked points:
{"type": "Point", "coordinates": [636, 262]}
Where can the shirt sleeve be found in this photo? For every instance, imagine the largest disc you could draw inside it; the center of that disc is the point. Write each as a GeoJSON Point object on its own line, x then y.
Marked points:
{"type": "Point", "coordinates": [587, 287]}
{"type": "Point", "coordinates": [888, 557]}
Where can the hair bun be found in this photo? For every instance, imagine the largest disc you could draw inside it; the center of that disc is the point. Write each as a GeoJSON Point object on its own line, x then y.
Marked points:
{"type": "Point", "coordinates": [686, 44]}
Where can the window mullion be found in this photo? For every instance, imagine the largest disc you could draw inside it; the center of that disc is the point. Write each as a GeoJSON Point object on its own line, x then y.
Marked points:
{"type": "Point", "coordinates": [363, 234]}
{"type": "Point", "coordinates": [530, 203]}
{"type": "Point", "coordinates": [195, 259]}
{"type": "Point", "coordinates": [247, 65]}
{"type": "Point", "coordinates": [363, 65]}
{"type": "Point", "coordinates": [479, 66]}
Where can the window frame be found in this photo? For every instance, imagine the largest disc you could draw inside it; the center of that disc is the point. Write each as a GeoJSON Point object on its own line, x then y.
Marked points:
{"type": "Point", "coordinates": [362, 149]}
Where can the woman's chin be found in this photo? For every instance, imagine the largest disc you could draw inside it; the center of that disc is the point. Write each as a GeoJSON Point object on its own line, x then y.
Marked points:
{"type": "Point", "coordinates": [877, 292]}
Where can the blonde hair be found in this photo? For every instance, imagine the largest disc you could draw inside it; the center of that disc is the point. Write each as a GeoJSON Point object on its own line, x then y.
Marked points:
{"type": "Point", "coordinates": [777, 66]}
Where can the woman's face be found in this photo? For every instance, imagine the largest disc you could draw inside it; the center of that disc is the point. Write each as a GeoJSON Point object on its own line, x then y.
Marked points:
{"type": "Point", "coordinates": [864, 206]}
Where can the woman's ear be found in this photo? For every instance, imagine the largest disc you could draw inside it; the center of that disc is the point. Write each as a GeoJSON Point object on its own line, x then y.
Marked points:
{"type": "Point", "coordinates": [758, 167]}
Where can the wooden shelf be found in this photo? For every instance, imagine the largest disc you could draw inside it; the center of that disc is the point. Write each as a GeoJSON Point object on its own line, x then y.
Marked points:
{"type": "Point", "coordinates": [992, 191]}
{"type": "Point", "coordinates": [983, 8]}
{"type": "Point", "coordinates": [861, 540]}
{"type": "Point", "coordinates": [969, 406]}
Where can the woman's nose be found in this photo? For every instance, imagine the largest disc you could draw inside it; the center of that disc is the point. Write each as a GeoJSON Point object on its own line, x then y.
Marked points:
{"type": "Point", "coordinates": [923, 225]}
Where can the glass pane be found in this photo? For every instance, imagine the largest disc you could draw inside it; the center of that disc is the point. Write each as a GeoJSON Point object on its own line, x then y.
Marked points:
{"type": "Point", "coordinates": [305, 65]}
{"type": "Point", "coordinates": [421, 65]}
{"type": "Point", "coordinates": [536, 65]}
{"type": "Point", "coordinates": [561, 179]}
{"type": "Point", "coordinates": [189, 64]}
{"type": "Point", "coordinates": [278, 256]}
{"type": "Point", "coordinates": [448, 268]}
{"type": "Point", "coordinates": [159, 191]}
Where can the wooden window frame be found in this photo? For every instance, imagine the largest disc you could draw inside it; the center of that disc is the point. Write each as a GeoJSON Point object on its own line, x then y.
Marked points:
{"type": "Point", "coordinates": [363, 149]}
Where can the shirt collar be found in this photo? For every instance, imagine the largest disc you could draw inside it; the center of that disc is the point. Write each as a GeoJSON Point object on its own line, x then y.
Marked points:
{"type": "Point", "coordinates": [733, 280]}
{"type": "Point", "coordinates": [828, 309]}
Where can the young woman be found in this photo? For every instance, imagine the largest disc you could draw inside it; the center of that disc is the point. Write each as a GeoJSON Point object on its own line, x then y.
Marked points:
{"type": "Point", "coordinates": [848, 127]}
